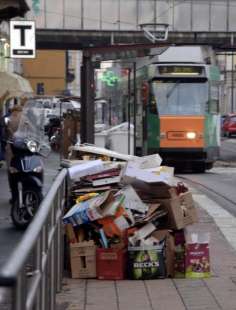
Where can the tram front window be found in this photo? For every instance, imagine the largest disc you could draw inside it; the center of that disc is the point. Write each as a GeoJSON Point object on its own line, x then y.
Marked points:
{"type": "Point", "coordinates": [177, 97]}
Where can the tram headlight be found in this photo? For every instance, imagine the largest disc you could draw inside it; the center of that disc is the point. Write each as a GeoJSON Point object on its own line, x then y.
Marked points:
{"type": "Point", "coordinates": [191, 135]}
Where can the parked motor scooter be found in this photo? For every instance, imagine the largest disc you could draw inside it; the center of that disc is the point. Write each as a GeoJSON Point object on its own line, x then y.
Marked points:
{"type": "Point", "coordinates": [26, 166]}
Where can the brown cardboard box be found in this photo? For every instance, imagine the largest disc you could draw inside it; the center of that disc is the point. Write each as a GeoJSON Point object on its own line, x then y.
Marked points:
{"type": "Point", "coordinates": [169, 250]}
{"type": "Point", "coordinates": [70, 233]}
{"type": "Point", "coordinates": [170, 256]}
{"type": "Point", "coordinates": [175, 212]}
{"type": "Point", "coordinates": [154, 190]}
{"type": "Point", "coordinates": [83, 259]}
{"type": "Point", "coordinates": [188, 207]}
{"type": "Point", "coordinates": [179, 260]}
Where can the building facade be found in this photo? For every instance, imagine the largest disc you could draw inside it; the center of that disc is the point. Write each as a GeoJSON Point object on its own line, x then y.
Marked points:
{"type": "Point", "coordinates": [47, 72]}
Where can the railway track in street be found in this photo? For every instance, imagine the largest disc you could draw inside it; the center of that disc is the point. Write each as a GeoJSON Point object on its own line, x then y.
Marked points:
{"type": "Point", "coordinates": [218, 185]}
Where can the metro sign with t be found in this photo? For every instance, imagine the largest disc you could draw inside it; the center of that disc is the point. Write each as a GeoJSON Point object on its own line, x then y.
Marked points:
{"type": "Point", "coordinates": [22, 39]}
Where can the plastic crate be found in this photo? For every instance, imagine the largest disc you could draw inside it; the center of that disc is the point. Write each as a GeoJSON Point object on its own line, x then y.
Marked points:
{"type": "Point", "coordinates": [111, 264]}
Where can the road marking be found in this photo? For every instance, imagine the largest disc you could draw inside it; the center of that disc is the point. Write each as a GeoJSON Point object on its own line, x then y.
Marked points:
{"type": "Point", "coordinates": [223, 170]}
{"type": "Point", "coordinates": [230, 140]}
{"type": "Point", "coordinates": [223, 219]}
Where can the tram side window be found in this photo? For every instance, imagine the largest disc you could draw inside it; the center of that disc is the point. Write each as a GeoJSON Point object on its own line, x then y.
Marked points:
{"type": "Point", "coordinates": [214, 99]}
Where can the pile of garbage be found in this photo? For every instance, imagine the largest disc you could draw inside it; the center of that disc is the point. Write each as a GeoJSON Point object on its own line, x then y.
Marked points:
{"type": "Point", "coordinates": [128, 220]}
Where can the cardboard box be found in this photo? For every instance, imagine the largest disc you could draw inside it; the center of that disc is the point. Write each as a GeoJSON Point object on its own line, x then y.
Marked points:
{"type": "Point", "coordinates": [197, 261]}
{"type": "Point", "coordinates": [146, 262]}
{"type": "Point", "coordinates": [175, 212]}
{"type": "Point", "coordinates": [154, 190]}
{"type": "Point", "coordinates": [169, 251]}
{"type": "Point", "coordinates": [170, 256]}
{"type": "Point", "coordinates": [100, 206]}
{"type": "Point", "coordinates": [83, 259]}
{"type": "Point", "coordinates": [188, 207]}
{"type": "Point", "coordinates": [70, 233]}
{"type": "Point", "coordinates": [111, 263]}
{"type": "Point", "coordinates": [179, 261]}
{"type": "Point", "coordinates": [197, 258]}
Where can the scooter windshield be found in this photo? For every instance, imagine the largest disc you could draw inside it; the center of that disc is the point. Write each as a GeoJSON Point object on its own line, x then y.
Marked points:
{"type": "Point", "coordinates": [31, 124]}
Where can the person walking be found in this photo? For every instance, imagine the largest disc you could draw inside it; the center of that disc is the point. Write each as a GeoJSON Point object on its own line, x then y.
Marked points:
{"type": "Point", "coordinates": [11, 128]}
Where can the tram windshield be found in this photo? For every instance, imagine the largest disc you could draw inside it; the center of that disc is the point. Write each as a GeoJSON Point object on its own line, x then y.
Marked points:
{"type": "Point", "coordinates": [180, 96]}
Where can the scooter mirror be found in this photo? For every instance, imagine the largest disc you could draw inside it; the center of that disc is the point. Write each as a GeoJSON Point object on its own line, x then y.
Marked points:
{"type": "Point", "coordinates": [44, 150]}
{"type": "Point", "coordinates": [6, 120]}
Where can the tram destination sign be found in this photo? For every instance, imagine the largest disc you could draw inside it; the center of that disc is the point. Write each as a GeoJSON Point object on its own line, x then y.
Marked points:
{"type": "Point", "coordinates": [22, 39]}
{"type": "Point", "coordinates": [180, 70]}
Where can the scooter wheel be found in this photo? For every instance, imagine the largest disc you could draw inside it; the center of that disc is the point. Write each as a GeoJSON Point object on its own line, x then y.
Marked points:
{"type": "Point", "coordinates": [22, 216]}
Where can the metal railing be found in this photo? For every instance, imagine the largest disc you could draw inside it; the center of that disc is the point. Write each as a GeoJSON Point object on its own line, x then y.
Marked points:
{"type": "Point", "coordinates": [33, 274]}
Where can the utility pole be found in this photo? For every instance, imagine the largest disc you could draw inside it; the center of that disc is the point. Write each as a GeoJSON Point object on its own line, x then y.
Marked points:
{"type": "Point", "coordinates": [87, 100]}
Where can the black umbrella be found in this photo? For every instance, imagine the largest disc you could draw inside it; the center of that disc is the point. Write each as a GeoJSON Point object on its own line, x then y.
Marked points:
{"type": "Point", "coordinates": [12, 8]}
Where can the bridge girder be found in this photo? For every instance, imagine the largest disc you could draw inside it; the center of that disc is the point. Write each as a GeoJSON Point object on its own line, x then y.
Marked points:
{"type": "Point", "coordinates": [81, 39]}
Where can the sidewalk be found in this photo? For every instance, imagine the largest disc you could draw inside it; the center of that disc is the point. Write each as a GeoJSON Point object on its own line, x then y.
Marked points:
{"type": "Point", "coordinates": [218, 292]}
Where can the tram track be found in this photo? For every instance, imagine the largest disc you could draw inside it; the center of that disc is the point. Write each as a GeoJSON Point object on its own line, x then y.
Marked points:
{"type": "Point", "coordinates": [217, 196]}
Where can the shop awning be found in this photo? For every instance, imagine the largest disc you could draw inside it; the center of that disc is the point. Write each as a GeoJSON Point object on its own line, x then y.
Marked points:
{"type": "Point", "coordinates": [16, 85]}
{"type": "Point", "coordinates": [12, 8]}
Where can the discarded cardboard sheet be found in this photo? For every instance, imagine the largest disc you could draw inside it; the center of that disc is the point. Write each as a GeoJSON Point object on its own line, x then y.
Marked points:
{"type": "Point", "coordinates": [142, 233]}
{"type": "Point", "coordinates": [132, 200]}
{"type": "Point", "coordinates": [86, 168]}
{"type": "Point", "coordinates": [93, 209]}
{"type": "Point", "coordinates": [132, 173]}
{"type": "Point", "coordinates": [147, 162]}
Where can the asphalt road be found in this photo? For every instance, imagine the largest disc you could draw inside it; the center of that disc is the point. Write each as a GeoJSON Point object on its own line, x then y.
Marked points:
{"type": "Point", "coordinates": [228, 150]}
{"type": "Point", "coordinates": [9, 235]}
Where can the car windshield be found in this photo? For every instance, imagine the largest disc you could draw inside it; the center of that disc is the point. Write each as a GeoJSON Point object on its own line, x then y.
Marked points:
{"type": "Point", "coordinates": [180, 97]}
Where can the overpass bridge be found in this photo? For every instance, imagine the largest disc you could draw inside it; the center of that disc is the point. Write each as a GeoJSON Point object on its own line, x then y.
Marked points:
{"type": "Point", "coordinates": [83, 23]}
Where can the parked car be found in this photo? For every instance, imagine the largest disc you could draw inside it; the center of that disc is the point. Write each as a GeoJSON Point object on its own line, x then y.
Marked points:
{"type": "Point", "coordinates": [229, 125]}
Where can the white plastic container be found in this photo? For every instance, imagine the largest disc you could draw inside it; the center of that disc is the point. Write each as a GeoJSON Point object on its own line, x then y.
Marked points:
{"type": "Point", "coordinates": [119, 142]}
{"type": "Point", "coordinates": [100, 139]}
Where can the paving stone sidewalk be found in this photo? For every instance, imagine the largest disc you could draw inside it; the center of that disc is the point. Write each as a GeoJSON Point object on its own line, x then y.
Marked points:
{"type": "Point", "coordinates": [218, 292]}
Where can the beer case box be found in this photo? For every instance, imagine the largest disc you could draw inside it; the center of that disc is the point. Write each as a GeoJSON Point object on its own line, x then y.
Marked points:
{"type": "Point", "coordinates": [197, 261]}
{"type": "Point", "coordinates": [146, 262]}
{"type": "Point", "coordinates": [83, 259]}
{"type": "Point", "coordinates": [111, 263]}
